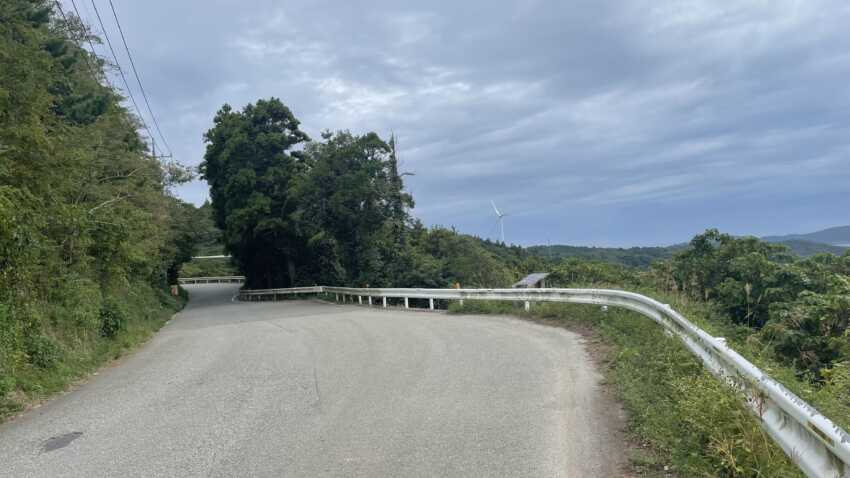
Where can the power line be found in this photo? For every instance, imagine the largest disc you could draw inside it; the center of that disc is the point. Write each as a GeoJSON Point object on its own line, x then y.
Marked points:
{"type": "Point", "coordinates": [84, 36]}
{"type": "Point", "coordinates": [123, 77]}
{"type": "Point", "coordinates": [71, 34]}
{"type": "Point", "coordinates": [138, 80]}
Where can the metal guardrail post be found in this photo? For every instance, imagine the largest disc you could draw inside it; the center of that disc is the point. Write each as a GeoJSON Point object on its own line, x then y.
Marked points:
{"type": "Point", "coordinates": [385, 302]}
{"type": "Point", "coordinates": [431, 303]}
{"type": "Point", "coordinates": [406, 305]}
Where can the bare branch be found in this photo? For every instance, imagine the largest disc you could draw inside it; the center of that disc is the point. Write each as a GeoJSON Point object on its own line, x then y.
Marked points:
{"type": "Point", "coordinates": [120, 197]}
{"type": "Point", "coordinates": [119, 176]}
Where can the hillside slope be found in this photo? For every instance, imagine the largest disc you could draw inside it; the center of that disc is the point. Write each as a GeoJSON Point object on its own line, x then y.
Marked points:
{"type": "Point", "coordinates": [808, 248]}
{"type": "Point", "coordinates": [839, 235]}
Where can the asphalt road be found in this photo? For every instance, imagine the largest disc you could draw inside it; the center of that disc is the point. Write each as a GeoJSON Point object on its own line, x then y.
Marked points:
{"type": "Point", "coordinates": [305, 389]}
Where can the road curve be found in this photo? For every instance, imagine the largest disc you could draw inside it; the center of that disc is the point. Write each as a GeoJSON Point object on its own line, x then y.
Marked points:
{"type": "Point", "coordinates": [305, 389]}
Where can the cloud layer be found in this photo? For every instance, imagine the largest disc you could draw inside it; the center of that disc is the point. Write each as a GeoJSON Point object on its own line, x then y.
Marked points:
{"type": "Point", "coordinates": [588, 122]}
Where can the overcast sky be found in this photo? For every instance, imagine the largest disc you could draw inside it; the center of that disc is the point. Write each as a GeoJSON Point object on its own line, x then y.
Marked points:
{"type": "Point", "coordinates": [587, 122]}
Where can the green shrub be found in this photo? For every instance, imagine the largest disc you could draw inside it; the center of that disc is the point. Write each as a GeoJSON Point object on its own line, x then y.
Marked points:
{"type": "Point", "coordinates": [183, 294]}
{"type": "Point", "coordinates": [573, 270]}
{"type": "Point", "coordinates": [800, 309]}
{"type": "Point", "coordinates": [209, 268]}
{"type": "Point", "coordinates": [9, 339]}
{"type": "Point", "coordinates": [78, 303]}
{"type": "Point", "coordinates": [811, 332]}
{"type": "Point", "coordinates": [484, 307]}
{"type": "Point", "coordinates": [113, 318]}
{"type": "Point", "coordinates": [7, 383]}
{"type": "Point", "coordinates": [8, 344]}
{"type": "Point", "coordinates": [42, 351]}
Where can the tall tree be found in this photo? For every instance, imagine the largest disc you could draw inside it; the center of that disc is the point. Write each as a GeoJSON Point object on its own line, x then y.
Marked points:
{"type": "Point", "coordinates": [353, 207]}
{"type": "Point", "coordinates": [250, 164]}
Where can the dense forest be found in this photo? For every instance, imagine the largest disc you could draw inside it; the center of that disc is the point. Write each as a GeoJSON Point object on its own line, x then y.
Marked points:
{"type": "Point", "coordinates": [90, 236]}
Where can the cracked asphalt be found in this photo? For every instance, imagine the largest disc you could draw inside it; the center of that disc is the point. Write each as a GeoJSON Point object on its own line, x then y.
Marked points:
{"type": "Point", "coordinates": [307, 389]}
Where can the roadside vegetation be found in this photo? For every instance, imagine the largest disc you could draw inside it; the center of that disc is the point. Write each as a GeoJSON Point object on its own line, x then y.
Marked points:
{"type": "Point", "coordinates": [209, 268]}
{"type": "Point", "coordinates": [90, 237]}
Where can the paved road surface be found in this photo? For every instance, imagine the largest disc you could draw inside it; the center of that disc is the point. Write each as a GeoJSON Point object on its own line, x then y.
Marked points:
{"type": "Point", "coordinates": [304, 389]}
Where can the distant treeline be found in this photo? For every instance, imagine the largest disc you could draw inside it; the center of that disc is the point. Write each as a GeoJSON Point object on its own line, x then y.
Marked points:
{"type": "Point", "coordinates": [632, 256]}
{"type": "Point", "coordinates": [644, 256]}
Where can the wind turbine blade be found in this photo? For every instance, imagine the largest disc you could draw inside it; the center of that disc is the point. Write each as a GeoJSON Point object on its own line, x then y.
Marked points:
{"type": "Point", "coordinates": [495, 208]}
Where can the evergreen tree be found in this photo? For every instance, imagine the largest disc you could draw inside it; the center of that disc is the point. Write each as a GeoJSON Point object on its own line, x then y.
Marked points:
{"type": "Point", "coordinates": [251, 166]}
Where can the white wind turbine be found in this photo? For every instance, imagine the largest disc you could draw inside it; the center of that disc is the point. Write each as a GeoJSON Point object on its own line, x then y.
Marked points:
{"type": "Point", "coordinates": [501, 219]}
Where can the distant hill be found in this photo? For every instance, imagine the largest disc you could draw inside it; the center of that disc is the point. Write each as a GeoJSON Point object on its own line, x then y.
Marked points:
{"type": "Point", "coordinates": [809, 248]}
{"type": "Point", "coordinates": [836, 236]}
{"type": "Point", "coordinates": [643, 257]}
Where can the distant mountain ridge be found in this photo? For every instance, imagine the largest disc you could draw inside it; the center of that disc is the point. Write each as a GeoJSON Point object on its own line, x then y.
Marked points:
{"type": "Point", "coordinates": [836, 236]}
{"type": "Point", "coordinates": [809, 248]}
{"type": "Point", "coordinates": [835, 240]}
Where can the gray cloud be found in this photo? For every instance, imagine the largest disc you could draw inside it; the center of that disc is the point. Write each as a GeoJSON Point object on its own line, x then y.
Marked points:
{"type": "Point", "coordinates": [628, 122]}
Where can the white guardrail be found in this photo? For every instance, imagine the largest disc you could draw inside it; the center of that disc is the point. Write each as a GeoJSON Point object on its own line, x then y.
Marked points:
{"type": "Point", "coordinates": [212, 280]}
{"type": "Point", "coordinates": [817, 445]}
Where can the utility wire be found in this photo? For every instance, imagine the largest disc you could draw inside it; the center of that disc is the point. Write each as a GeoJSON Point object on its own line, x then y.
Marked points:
{"type": "Point", "coordinates": [72, 34]}
{"type": "Point", "coordinates": [85, 36]}
{"type": "Point", "coordinates": [123, 77]}
{"type": "Point", "coordinates": [138, 80]}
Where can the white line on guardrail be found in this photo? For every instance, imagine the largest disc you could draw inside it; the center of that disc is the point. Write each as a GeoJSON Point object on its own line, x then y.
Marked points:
{"type": "Point", "coordinates": [817, 445]}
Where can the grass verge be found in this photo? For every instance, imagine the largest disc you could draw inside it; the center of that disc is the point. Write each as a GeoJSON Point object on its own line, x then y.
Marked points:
{"type": "Point", "coordinates": [66, 355]}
